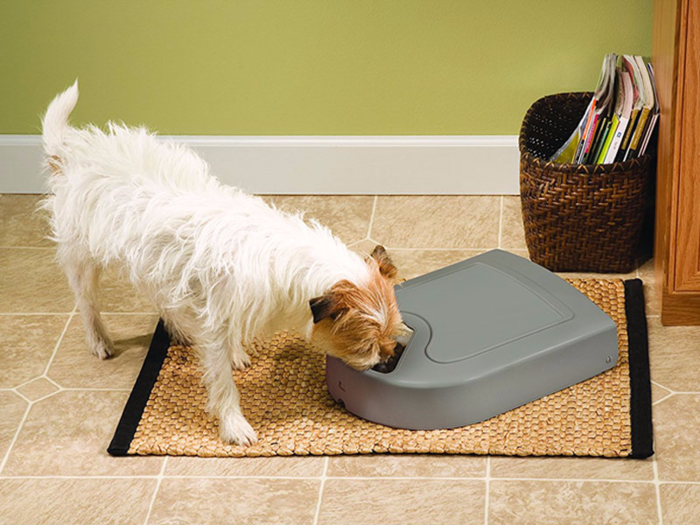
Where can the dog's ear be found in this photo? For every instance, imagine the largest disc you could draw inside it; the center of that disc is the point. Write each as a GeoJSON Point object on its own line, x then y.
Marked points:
{"type": "Point", "coordinates": [386, 266]}
{"type": "Point", "coordinates": [321, 307]}
{"type": "Point", "coordinates": [334, 303]}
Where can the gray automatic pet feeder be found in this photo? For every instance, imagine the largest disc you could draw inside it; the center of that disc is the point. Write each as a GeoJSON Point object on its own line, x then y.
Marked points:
{"type": "Point", "coordinates": [489, 334]}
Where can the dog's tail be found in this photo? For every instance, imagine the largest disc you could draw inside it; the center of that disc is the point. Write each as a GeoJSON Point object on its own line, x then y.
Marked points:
{"type": "Point", "coordinates": [55, 124]}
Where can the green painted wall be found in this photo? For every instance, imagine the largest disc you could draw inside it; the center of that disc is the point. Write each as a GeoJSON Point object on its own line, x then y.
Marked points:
{"type": "Point", "coordinates": [307, 67]}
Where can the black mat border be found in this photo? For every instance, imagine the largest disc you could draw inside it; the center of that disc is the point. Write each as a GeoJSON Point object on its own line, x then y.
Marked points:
{"type": "Point", "coordinates": [141, 392]}
{"type": "Point", "coordinates": [640, 384]}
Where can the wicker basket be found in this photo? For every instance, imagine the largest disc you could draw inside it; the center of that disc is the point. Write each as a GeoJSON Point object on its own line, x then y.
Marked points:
{"type": "Point", "coordinates": [578, 217]}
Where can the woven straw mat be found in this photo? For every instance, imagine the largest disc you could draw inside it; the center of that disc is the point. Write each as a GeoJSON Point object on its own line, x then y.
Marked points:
{"type": "Point", "coordinates": [284, 397]}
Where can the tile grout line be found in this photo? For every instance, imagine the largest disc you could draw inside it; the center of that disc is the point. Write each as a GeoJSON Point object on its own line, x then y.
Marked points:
{"type": "Point", "coordinates": [371, 217]}
{"type": "Point", "coordinates": [29, 405]}
{"type": "Point", "coordinates": [33, 313]}
{"type": "Point", "coordinates": [662, 386]}
{"type": "Point", "coordinates": [500, 223]}
{"type": "Point", "coordinates": [359, 478]}
{"type": "Point", "coordinates": [320, 490]}
{"type": "Point", "coordinates": [488, 489]}
{"type": "Point", "coordinates": [58, 343]}
{"type": "Point", "coordinates": [165, 476]}
{"type": "Point", "coordinates": [95, 389]}
{"type": "Point", "coordinates": [155, 492]}
{"type": "Point", "coordinates": [577, 480]}
{"type": "Point", "coordinates": [673, 392]}
{"type": "Point", "coordinates": [655, 467]}
{"type": "Point", "coordinates": [14, 389]}
{"type": "Point", "coordinates": [393, 248]}
{"type": "Point", "coordinates": [679, 482]}
{"type": "Point", "coordinates": [27, 247]}
{"type": "Point", "coordinates": [663, 399]}
{"type": "Point", "coordinates": [14, 438]}
{"type": "Point", "coordinates": [54, 383]}
{"type": "Point", "coordinates": [356, 242]}
{"type": "Point", "coordinates": [129, 313]}
{"type": "Point", "coordinates": [20, 394]}
{"type": "Point", "coordinates": [32, 401]}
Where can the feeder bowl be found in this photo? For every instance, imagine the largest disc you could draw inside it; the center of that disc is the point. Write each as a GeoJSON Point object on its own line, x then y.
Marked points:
{"type": "Point", "coordinates": [489, 334]}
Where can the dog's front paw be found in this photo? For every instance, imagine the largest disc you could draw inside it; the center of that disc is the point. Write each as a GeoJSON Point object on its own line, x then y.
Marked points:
{"type": "Point", "coordinates": [234, 429]}
{"type": "Point", "coordinates": [102, 348]}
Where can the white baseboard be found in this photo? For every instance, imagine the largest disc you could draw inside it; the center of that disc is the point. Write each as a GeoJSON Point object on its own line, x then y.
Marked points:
{"type": "Point", "coordinates": [396, 165]}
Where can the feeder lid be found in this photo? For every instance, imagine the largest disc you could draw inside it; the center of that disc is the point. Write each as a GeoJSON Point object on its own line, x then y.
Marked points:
{"type": "Point", "coordinates": [488, 308]}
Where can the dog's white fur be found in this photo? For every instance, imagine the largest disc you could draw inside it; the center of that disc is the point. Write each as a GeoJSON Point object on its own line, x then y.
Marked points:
{"type": "Point", "coordinates": [222, 267]}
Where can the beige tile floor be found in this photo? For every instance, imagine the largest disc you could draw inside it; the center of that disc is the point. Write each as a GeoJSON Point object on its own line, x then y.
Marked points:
{"type": "Point", "coordinates": [59, 407]}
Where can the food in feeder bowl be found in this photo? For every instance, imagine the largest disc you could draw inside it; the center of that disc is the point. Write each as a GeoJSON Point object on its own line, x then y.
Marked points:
{"type": "Point", "coordinates": [489, 334]}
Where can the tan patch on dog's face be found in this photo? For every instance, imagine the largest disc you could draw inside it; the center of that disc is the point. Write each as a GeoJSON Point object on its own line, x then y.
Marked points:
{"type": "Point", "coordinates": [359, 324]}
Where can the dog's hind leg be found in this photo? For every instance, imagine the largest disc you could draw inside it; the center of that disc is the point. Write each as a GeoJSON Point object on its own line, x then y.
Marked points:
{"type": "Point", "coordinates": [224, 400]}
{"type": "Point", "coordinates": [83, 276]}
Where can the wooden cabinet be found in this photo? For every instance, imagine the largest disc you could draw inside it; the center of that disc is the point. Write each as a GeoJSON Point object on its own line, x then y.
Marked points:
{"type": "Point", "coordinates": [676, 59]}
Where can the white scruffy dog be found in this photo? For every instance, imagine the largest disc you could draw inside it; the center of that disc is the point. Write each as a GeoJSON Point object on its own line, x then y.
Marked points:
{"type": "Point", "coordinates": [221, 266]}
